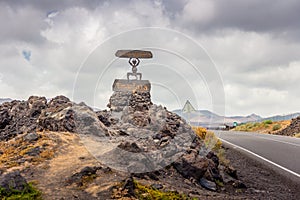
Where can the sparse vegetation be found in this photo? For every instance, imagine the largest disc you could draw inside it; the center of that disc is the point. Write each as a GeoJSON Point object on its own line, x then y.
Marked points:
{"type": "Point", "coordinates": [276, 127]}
{"type": "Point", "coordinates": [29, 193]}
{"type": "Point", "coordinates": [212, 142]}
{"type": "Point", "coordinates": [148, 193]}
{"type": "Point", "coordinates": [209, 138]}
{"type": "Point", "coordinates": [267, 126]}
{"type": "Point", "coordinates": [222, 157]}
{"type": "Point", "coordinates": [268, 122]}
{"type": "Point", "coordinates": [297, 135]}
{"type": "Point", "coordinates": [14, 150]}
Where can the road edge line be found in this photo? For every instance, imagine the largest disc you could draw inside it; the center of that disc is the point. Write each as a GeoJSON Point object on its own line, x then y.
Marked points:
{"type": "Point", "coordinates": [264, 159]}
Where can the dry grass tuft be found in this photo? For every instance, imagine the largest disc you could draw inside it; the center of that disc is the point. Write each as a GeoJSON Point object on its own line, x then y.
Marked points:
{"type": "Point", "coordinates": [208, 137]}
{"type": "Point", "coordinates": [15, 151]}
{"type": "Point", "coordinates": [212, 142]}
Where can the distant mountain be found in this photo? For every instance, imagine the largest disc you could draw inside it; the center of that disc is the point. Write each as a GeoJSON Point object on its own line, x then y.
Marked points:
{"type": "Point", "coordinates": [3, 100]}
{"type": "Point", "coordinates": [283, 117]}
{"type": "Point", "coordinates": [207, 118]}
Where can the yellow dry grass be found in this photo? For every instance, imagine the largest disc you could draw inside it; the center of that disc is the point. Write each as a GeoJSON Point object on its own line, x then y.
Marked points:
{"type": "Point", "coordinates": [297, 135]}
{"type": "Point", "coordinates": [208, 137]}
{"type": "Point", "coordinates": [212, 142]}
{"type": "Point", "coordinates": [268, 126]}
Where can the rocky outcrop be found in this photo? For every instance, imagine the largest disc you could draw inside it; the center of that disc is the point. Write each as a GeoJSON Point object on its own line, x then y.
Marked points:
{"type": "Point", "coordinates": [12, 181]}
{"type": "Point", "coordinates": [17, 117]}
{"type": "Point", "coordinates": [134, 136]}
{"type": "Point", "coordinates": [57, 115]}
{"type": "Point", "coordinates": [292, 129]}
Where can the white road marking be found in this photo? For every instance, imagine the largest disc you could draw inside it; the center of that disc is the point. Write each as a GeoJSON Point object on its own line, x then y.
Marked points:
{"type": "Point", "coordinates": [260, 135]}
{"type": "Point", "coordinates": [269, 161]}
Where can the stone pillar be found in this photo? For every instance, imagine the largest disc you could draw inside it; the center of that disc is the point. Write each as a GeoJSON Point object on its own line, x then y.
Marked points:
{"type": "Point", "coordinates": [133, 93]}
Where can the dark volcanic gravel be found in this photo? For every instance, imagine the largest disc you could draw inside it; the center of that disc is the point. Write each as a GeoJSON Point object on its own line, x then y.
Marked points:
{"type": "Point", "coordinates": [261, 181]}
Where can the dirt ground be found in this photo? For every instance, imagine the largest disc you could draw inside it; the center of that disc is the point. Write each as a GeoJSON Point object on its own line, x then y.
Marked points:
{"type": "Point", "coordinates": [52, 176]}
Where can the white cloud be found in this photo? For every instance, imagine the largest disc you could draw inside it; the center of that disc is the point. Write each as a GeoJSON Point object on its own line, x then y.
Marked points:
{"type": "Point", "coordinates": [197, 12]}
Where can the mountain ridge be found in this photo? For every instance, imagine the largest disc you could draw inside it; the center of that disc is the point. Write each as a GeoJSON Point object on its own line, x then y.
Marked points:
{"type": "Point", "coordinates": [206, 117]}
{"type": "Point", "coordinates": [3, 100]}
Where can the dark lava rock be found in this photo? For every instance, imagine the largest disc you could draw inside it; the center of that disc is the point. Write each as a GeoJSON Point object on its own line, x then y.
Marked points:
{"type": "Point", "coordinates": [191, 165]}
{"type": "Point", "coordinates": [59, 102]}
{"type": "Point", "coordinates": [86, 171]}
{"type": "Point", "coordinates": [34, 151]}
{"type": "Point", "coordinates": [129, 186]}
{"type": "Point", "coordinates": [231, 172]}
{"type": "Point", "coordinates": [131, 147]}
{"type": "Point", "coordinates": [12, 181]}
{"type": "Point", "coordinates": [58, 116]}
{"type": "Point", "coordinates": [89, 171]}
{"type": "Point", "coordinates": [157, 186]}
{"type": "Point", "coordinates": [292, 129]}
{"type": "Point", "coordinates": [4, 118]}
{"type": "Point", "coordinates": [103, 116]}
{"type": "Point", "coordinates": [53, 122]}
{"type": "Point", "coordinates": [30, 137]}
{"type": "Point", "coordinates": [213, 157]}
{"type": "Point", "coordinates": [239, 185]}
{"type": "Point", "coordinates": [17, 117]}
{"type": "Point", "coordinates": [208, 184]}
{"type": "Point", "coordinates": [36, 105]}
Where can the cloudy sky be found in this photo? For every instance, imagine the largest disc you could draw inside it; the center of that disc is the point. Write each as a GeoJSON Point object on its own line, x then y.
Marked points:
{"type": "Point", "coordinates": [237, 57]}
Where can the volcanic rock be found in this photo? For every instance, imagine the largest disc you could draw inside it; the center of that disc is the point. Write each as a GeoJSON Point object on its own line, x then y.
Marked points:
{"type": "Point", "coordinates": [134, 136]}
{"type": "Point", "coordinates": [58, 116]}
{"type": "Point", "coordinates": [18, 117]}
{"type": "Point", "coordinates": [292, 129]}
{"type": "Point", "coordinates": [12, 181]}
{"type": "Point", "coordinates": [208, 184]}
{"type": "Point", "coordinates": [31, 137]}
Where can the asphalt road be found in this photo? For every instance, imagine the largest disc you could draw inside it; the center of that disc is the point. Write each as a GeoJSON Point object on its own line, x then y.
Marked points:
{"type": "Point", "coordinates": [282, 152]}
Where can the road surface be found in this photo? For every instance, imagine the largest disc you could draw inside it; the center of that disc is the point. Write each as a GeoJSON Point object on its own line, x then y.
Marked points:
{"type": "Point", "coordinates": [281, 152]}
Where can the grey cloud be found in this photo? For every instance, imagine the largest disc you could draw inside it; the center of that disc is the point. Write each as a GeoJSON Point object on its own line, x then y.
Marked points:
{"type": "Point", "coordinates": [279, 18]}
{"type": "Point", "coordinates": [20, 24]}
{"type": "Point", "coordinates": [257, 15]}
{"type": "Point", "coordinates": [249, 40]}
{"type": "Point", "coordinates": [48, 5]}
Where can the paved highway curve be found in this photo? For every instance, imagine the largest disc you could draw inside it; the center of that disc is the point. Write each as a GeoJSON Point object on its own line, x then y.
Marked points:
{"type": "Point", "coordinates": [282, 152]}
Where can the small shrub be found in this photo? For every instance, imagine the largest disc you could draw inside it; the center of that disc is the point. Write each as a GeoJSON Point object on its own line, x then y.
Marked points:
{"type": "Point", "coordinates": [28, 193]}
{"type": "Point", "coordinates": [209, 138]}
{"type": "Point", "coordinates": [276, 127]}
{"type": "Point", "coordinates": [222, 158]}
{"type": "Point", "coordinates": [268, 121]}
{"type": "Point", "coordinates": [219, 183]}
{"type": "Point", "coordinates": [200, 131]}
{"type": "Point", "coordinates": [148, 193]}
{"type": "Point", "coordinates": [256, 124]}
